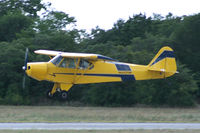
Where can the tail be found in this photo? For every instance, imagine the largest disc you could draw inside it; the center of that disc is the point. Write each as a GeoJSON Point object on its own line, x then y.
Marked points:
{"type": "Point", "coordinates": [164, 62]}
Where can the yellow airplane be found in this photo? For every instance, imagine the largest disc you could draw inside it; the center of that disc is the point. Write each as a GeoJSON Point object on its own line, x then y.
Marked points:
{"type": "Point", "coordinates": [66, 69]}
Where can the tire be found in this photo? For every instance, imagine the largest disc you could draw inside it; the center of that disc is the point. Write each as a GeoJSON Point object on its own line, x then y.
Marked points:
{"type": "Point", "coordinates": [64, 95]}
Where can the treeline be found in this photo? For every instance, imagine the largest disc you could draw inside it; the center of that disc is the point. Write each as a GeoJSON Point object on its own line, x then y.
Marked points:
{"type": "Point", "coordinates": [136, 41]}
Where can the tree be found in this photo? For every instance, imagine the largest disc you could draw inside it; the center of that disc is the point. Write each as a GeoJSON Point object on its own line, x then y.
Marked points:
{"type": "Point", "coordinates": [26, 7]}
{"type": "Point", "coordinates": [11, 24]}
{"type": "Point", "coordinates": [10, 71]}
{"type": "Point", "coordinates": [55, 21]}
{"type": "Point", "coordinates": [186, 40]}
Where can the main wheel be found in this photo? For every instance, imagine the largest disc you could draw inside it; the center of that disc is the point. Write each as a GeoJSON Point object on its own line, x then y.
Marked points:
{"type": "Point", "coordinates": [63, 95]}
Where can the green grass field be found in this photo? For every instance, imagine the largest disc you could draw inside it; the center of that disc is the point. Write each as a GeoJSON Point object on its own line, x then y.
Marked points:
{"type": "Point", "coordinates": [97, 114]}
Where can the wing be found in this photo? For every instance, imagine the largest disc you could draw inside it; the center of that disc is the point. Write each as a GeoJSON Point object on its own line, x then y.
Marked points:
{"type": "Point", "coordinates": [73, 55]}
{"type": "Point", "coordinates": [48, 52]}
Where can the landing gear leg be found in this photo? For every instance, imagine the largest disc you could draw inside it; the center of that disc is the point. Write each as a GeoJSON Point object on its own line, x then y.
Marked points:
{"type": "Point", "coordinates": [60, 90]}
{"type": "Point", "coordinates": [51, 93]}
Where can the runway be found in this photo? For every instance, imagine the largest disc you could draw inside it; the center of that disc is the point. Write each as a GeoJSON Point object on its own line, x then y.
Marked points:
{"type": "Point", "coordinates": [97, 126]}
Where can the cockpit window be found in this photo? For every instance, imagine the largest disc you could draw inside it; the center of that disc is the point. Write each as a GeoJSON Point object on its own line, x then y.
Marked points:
{"type": "Point", "coordinates": [68, 63]}
{"type": "Point", "coordinates": [56, 60]}
{"type": "Point", "coordinates": [71, 63]}
{"type": "Point", "coordinates": [84, 64]}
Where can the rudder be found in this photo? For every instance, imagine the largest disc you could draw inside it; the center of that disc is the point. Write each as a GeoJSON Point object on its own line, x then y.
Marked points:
{"type": "Point", "coordinates": [164, 62]}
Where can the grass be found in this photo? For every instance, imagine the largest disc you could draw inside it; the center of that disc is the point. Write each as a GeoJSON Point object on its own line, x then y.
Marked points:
{"type": "Point", "coordinates": [100, 131]}
{"type": "Point", "coordinates": [97, 114]}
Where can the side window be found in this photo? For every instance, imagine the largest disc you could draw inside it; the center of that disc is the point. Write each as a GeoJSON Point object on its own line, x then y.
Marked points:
{"type": "Point", "coordinates": [72, 63]}
{"type": "Point", "coordinates": [84, 64]}
{"type": "Point", "coordinates": [63, 63]}
{"type": "Point", "coordinates": [68, 63]}
{"type": "Point", "coordinates": [123, 67]}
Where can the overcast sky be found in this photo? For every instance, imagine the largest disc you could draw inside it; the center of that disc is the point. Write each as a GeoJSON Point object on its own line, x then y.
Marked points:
{"type": "Point", "coordinates": [104, 13]}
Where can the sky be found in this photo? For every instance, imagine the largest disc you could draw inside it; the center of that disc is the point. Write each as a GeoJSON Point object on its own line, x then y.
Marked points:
{"type": "Point", "coordinates": [104, 13]}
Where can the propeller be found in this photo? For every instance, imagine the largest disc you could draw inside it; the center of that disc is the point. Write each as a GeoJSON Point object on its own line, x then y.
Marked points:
{"type": "Point", "coordinates": [25, 68]}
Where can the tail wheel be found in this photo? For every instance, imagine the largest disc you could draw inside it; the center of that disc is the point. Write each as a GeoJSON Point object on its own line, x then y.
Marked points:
{"type": "Point", "coordinates": [64, 95]}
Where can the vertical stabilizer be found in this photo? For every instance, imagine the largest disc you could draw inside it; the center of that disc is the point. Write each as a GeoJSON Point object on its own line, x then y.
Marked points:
{"type": "Point", "coordinates": [164, 61]}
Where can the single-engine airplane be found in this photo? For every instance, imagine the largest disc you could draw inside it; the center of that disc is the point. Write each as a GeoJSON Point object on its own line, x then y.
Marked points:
{"type": "Point", "coordinates": [66, 69]}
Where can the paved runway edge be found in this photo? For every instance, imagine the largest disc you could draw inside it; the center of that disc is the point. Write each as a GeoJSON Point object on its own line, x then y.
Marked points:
{"type": "Point", "coordinates": [97, 126]}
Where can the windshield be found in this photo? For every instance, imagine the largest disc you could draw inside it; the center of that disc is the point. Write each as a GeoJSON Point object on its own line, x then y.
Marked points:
{"type": "Point", "coordinates": [56, 60]}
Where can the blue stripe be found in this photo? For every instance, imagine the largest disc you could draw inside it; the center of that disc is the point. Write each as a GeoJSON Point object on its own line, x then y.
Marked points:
{"type": "Point", "coordinates": [124, 77]}
{"type": "Point", "coordinates": [127, 77]}
{"type": "Point", "coordinates": [163, 55]}
{"type": "Point", "coordinates": [104, 57]}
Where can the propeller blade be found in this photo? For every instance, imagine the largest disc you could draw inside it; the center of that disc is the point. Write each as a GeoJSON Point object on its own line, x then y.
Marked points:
{"type": "Point", "coordinates": [25, 68]}
{"type": "Point", "coordinates": [26, 59]}
{"type": "Point", "coordinates": [24, 81]}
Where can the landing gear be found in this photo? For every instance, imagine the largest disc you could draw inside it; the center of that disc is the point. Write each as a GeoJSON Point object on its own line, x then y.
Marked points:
{"type": "Point", "coordinates": [59, 91]}
{"type": "Point", "coordinates": [49, 95]}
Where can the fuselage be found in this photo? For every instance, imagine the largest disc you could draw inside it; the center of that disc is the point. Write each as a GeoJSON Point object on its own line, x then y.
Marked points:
{"type": "Point", "coordinates": [93, 72]}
